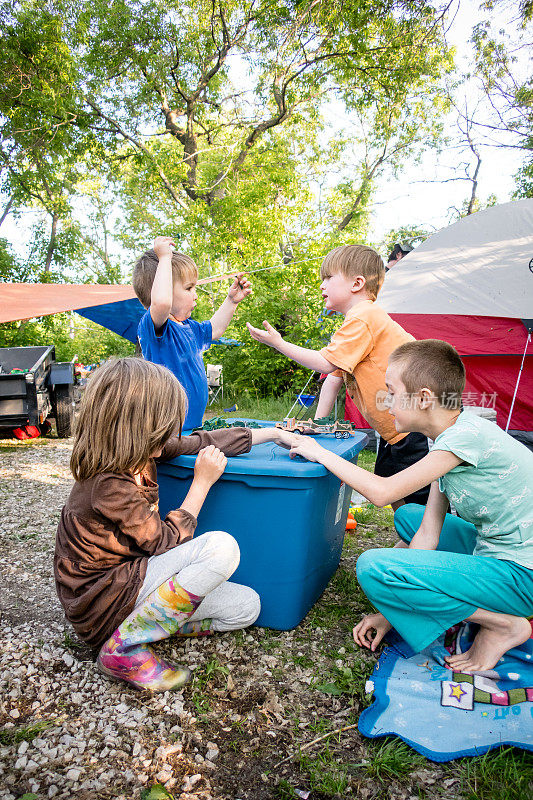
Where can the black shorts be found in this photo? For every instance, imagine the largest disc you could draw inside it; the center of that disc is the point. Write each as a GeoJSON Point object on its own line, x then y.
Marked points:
{"type": "Point", "coordinates": [392, 458]}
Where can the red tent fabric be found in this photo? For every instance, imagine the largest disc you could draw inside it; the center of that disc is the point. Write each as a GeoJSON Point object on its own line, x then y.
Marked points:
{"type": "Point", "coordinates": [492, 350]}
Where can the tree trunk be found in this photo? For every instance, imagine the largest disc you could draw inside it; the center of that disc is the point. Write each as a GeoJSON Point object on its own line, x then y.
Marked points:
{"type": "Point", "coordinates": [7, 209]}
{"type": "Point", "coordinates": [51, 243]}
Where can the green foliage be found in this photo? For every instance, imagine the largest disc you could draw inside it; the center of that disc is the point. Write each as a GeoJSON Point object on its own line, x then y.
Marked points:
{"type": "Point", "coordinates": [325, 774]}
{"type": "Point", "coordinates": [91, 343]}
{"type": "Point", "coordinates": [508, 87]}
{"type": "Point", "coordinates": [410, 234]}
{"type": "Point", "coordinates": [210, 126]}
{"type": "Point", "coordinates": [156, 792]}
{"type": "Point", "coordinates": [28, 733]}
{"type": "Point", "coordinates": [347, 680]}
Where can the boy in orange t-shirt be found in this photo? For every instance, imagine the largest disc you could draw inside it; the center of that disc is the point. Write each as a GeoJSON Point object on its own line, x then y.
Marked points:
{"type": "Point", "coordinates": [352, 276]}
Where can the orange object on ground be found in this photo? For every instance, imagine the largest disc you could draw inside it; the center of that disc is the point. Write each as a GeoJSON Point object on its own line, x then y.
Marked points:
{"type": "Point", "coordinates": [351, 524]}
{"type": "Point", "coordinates": [27, 432]}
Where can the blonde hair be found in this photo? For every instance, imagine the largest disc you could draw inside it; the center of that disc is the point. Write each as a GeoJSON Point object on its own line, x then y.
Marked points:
{"type": "Point", "coordinates": [183, 269]}
{"type": "Point", "coordinates": [353, 260]}
{"type": "Point", "coordinates": [432, 364]}
{"type": "Point", "coordinates": [130, 408]}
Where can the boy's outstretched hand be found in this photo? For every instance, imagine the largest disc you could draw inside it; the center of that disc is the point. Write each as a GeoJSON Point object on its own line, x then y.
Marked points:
{"type": "Point", "coordinates": [362, 633]}
{"type": "Point", "coordinates": [270, 336]}
{"type": "Point", "coordinates": [239, 289]}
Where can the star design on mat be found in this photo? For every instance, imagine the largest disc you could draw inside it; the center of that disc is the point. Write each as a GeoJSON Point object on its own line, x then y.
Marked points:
{"type": "Point", "coordinates": [456, 691]}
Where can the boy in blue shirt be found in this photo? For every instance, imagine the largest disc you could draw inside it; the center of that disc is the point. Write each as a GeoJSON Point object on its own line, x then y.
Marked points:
{"type": "Point", "coordinates": [165, 283]}
{"type": "Point", "coordinates": [476, 567]}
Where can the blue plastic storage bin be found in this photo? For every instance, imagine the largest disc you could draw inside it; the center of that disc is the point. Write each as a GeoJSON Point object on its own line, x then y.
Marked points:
{"type": "Point", "coordinates": [288, 516]}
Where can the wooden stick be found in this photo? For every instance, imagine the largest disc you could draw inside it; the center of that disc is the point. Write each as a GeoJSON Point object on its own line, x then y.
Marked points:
{"type": "Point", "coordinates": [310, 744]}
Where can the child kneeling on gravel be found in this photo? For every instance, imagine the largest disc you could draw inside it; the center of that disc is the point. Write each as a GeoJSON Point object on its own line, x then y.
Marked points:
{"type": "Point", "coordinates": [125, 577]}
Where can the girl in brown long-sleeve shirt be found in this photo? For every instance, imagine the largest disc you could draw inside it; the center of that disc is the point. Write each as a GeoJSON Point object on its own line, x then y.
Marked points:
{"type": "Point", "coordinates": [125, 577]}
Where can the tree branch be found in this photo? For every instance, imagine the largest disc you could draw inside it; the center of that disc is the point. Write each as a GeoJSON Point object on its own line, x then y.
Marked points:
{"type": "Point", "coordinates": [140, 146]}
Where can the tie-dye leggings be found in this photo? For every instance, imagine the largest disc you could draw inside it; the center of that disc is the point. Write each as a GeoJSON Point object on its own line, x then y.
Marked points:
{"type": "Point", "coordinates": [202, 567]}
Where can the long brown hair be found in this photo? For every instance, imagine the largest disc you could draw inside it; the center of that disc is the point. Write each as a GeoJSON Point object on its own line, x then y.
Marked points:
{"type": "Point", "coordinates": [130, 408]}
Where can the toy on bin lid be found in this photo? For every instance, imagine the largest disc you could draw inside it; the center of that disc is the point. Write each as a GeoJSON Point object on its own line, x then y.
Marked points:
{"type": "Point", "coordinates": [217, 423]}
{"type": "Point", "coordinates": [314, 427]}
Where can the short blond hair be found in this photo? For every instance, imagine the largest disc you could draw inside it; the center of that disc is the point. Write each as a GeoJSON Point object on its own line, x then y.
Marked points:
{"type": "Point", "coordinates": [183, 269]}
{"type": "Point", "coordinates": [431, 364]}
{"type": "Point", "coordinates": [353, 260]}
{"type": "Point", "coordinates": [129, 409]}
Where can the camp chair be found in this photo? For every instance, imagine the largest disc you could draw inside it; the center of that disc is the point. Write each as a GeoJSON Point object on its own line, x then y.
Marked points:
{"type": "Point", "coordinates": [215, 382]}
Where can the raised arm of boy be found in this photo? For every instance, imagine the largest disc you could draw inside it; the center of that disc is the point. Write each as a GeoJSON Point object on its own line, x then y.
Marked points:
{"type": "Point", "coordinates": [162, 287]}
{"type": "Point", "coordinates": [220, 320]}
{"type": "Point", "coordinates": [307, 358]}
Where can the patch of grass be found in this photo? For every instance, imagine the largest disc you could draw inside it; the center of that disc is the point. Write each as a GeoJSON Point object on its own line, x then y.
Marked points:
{"type": "Point", "coordinates": [200, 694]}
{"type": "Point", "coordinates": [367, 460]}
{"type": "Point", "coordinates": [392, 759]}
{"type": "Point", "coordinates": [348, 680]}
{"type": "Point", "coordinates": [285, 791]}
{"type": "Point", "coordinates": [269, 640]}
{"type": "Point", "coordinates": [254, 407]}
{"type": "Point", "coordinates": [10, 736]}
{"type": "Point", "coordinates": [8, 445]}
{"type": "Point", "coordinates": [372, 515]}
{"type": "Point", "coordinates": [71, 642]}
{"type": "Point", "coordinates": [506, 774]}
{"type": "Point", "coordinates": [306, 662]}
{"type": "Point", "coordinates": [324, 614]}
{"type": "Point", "coordinates": [324, 772]}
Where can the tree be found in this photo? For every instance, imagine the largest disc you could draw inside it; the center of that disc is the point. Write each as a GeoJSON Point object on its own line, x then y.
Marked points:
{"type": "Point", "coordinates": [211, 125]}
{"type": "Point", "coordinates": [506, 81]}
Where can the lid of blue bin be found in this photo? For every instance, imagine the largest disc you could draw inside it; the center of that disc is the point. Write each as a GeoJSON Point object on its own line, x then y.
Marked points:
{"type": "Point", "coordinates": [271, 459]}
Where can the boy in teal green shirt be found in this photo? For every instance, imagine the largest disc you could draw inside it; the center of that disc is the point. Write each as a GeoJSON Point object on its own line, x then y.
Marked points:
{"type": "Point", "coordinates": [477, 567]}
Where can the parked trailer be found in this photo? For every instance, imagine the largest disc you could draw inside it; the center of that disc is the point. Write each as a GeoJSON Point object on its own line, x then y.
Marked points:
{"type": "Point", "coordinates": [34, 386]}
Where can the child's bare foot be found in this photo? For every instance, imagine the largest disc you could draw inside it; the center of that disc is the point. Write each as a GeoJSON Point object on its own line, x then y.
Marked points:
{"type": "Point", "coordinates": [491, 643]}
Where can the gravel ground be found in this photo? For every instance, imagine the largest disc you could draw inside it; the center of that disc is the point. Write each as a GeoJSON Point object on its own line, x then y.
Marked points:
{"type": "Point", "coordinates": [65, 731]}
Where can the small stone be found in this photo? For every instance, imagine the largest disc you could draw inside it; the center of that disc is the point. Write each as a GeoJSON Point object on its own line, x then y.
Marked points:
{"type": "Point", "coordinates": [73, 774]}
{"type": "Point", "coordinates": [68, 660]}
{"type": "Point", "coordinates": [22, 748]}
{"type": "Point", "coordinates": [136, 749]}
{"type": "Point", "coordinates": [14, 713]}
{"type": "Point", "coordinates": [212, 755]}
{"type": "Point", "coordinates": [20, 763]}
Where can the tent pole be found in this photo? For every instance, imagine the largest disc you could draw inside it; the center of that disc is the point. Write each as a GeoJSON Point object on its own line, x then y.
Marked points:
{"type": "Point", "coordinates": [518, 381]}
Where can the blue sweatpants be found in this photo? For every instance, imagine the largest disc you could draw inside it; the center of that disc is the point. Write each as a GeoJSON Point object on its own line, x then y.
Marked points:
{"type": "Point", "coordinates": [424, 592]}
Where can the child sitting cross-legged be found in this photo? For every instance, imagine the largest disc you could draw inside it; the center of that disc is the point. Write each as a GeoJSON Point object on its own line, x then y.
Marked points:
{"type": "Point", "coordinates": [127, 578]}
{"type": "Point", "coordinates": [477, 566]}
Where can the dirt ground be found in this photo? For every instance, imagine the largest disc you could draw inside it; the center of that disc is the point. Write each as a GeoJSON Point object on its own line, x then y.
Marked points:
{"type": "Point", "coordinates": [255, 723]}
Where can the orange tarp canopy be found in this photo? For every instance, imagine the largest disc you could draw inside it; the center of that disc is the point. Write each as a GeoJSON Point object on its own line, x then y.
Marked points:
{"type": "Point", "coordinates": [28, 300]}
